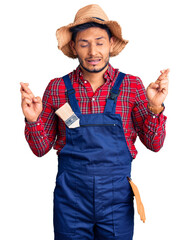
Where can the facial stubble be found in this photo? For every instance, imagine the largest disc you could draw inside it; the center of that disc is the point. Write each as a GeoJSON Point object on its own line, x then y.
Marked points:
{"type": "Point", "coordinates": [94, 70]}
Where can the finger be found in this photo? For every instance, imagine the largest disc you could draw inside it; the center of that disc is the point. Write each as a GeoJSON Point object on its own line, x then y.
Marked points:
{"type": "Point", "coordinates": [165, 72]}
{"type": "Point", "coordinates": [163, 89]}
{"type": "Point", "coordinates": [24, 83]}
{"type": "Point", "coordinates": [162, 81]}
{"type": "Point", "coordinates": [153, 85]}
{"type": "Point", "coordinates": [26, 102]}
{"type": "Point", "coordinates": [25, 88]}
{"type": "Point", "coordinates": [163, 75]}
{"type": "Point", "coordinates": [21, 88]}
{"type": "Point", "coordinates": [161, 78]}
{"type": "Point", "coordinates": [25, 95]}
{"type": "Point", "coordinates": [163, 86]}
{"type": "Point", "coordinates": [37, 99]}
{"type": "Point", "coordinates": [21, 83]}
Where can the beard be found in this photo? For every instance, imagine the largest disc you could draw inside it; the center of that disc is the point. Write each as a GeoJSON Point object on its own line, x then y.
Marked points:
{"type": "Point", "coordinates": [94, 70]}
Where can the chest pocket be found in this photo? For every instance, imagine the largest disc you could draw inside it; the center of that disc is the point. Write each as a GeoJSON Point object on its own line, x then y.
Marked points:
{"type": "Point", "coordinates": [95, 139]}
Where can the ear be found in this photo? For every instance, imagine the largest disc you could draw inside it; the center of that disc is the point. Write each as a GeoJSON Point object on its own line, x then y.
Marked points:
{"type": "Point", "coordinates": [72, 46]}
{"type": "Point", "coordinates": [112, 41]}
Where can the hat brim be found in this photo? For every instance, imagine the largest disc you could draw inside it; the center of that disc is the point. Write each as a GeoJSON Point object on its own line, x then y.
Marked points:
{"type": "Point", "coordinates": [64, 36]}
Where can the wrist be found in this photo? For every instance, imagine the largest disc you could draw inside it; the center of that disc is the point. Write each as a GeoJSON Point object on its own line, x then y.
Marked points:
{"type": "Point", "coordinates": [156, 109]}
{"type": "Point", "coordinates": [31, 120]}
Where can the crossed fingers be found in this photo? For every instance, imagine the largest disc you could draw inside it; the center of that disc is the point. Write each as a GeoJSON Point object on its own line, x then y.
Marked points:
{"type": "Point", "coordinates": [163, 75]}
{"type": "Point", "coordinates": [26, 94]}
{"type": "Point", "coordinates": [163, 81]}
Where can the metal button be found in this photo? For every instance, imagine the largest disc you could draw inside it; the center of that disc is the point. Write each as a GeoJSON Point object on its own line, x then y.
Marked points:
{"type": "Point", "coordinates": [85, 81]}
{"type": "Point", "coordinates": [154, 116]}
{"type": "Point", "coordinates": [38, 124]}
{"type": "Point", "coordinates": [93, 99]}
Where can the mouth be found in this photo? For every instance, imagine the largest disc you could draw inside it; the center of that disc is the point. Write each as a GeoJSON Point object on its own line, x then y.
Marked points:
{"type": "Point", "coordinates": [93, 61]}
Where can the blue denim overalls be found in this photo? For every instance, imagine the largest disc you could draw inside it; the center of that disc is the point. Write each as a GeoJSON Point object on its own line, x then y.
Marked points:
{"type": "Point", "coordinates": [93, 199]}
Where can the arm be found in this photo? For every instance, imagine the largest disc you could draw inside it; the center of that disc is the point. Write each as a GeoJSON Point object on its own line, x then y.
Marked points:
{"type": "Point", "coordinates": [40, 129]}
{"type": "Point", "coordinates": [150, 124]}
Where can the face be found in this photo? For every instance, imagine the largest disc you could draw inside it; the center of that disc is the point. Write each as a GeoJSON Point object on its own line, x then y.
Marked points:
{"type": "Point", "coordinates": [92, 47]}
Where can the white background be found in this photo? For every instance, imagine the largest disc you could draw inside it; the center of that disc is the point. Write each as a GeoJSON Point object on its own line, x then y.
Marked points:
{"type": "Point", "coordinates": [158, 34]}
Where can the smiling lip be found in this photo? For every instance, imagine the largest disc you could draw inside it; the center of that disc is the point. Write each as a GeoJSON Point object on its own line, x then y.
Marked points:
{"type": "Point", "coordinates": [93, 61]}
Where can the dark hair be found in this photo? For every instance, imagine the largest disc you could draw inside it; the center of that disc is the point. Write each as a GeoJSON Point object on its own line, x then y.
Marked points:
{"type": "Point", "coordinates": [87, 25]}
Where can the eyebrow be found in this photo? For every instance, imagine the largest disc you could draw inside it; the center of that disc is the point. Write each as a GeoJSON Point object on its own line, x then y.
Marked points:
{"type": "Point", "coordinates": [84, 40]}
{"type": "Point", "coordinates": [99, 38]}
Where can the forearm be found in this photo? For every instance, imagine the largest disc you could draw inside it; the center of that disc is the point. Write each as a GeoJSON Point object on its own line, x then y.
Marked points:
{"type": "Point", "coordinates": [148, 119]}
{"type": "Point", "coordinates": [41, 134]}
{"type": "Point", "coordinates": [37, 138]}
{"type": "Point", "coordinates": [153, 131]}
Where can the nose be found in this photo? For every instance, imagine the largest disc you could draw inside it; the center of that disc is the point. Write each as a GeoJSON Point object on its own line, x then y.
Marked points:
{"type": "Point", "coordinates": [92, 50]}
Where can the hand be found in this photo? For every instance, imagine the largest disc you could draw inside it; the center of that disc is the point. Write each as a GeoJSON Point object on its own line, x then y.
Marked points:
{"type": "Point", "coordinates": [31, 105]}
{"type": "Point", "coordinates": [157, 91]}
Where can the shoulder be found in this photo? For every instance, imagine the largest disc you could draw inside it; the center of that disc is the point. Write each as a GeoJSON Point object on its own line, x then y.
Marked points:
{"type": "Point", "coordinates": [132, 80]}
{"type": "Point", "coordinates": [55, 82]}
{"type": "Point", "coordinates": [114, 73]}
{"type": "Point", "coordinates": [56, 85]}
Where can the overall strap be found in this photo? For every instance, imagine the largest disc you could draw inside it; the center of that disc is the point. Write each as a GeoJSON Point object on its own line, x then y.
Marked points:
{"type": "Point", "coordinates": [114, 93]}
{"type": "Point", "coordinates": [71, 94]}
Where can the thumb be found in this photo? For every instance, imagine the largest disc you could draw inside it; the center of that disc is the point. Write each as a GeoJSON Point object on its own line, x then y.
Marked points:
{"type": "Point", "coordinates": [37, 99]}
{"type": "Point", "coordinates": [153, 85]}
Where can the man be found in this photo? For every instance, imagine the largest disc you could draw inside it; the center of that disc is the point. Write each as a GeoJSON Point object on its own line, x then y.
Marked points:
{"type": "Point", "coordinates": [93, 197]}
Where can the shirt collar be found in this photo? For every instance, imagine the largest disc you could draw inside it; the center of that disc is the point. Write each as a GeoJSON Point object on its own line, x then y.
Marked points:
{"type": "Point", "coordinates": [109, 75]}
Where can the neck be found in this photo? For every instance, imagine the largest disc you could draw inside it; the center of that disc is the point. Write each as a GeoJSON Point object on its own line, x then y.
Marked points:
{"type": "Point", "coordinates": [94, 78]}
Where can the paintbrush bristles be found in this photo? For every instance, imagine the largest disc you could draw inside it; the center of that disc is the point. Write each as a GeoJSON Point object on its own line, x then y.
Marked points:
{"type": "Point", "coordinates": [68, 116]}
{"type": "Point", "coordinates": [65, 112]}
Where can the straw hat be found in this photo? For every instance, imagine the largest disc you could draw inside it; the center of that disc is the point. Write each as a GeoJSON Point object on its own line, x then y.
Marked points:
{"type": "Point", "coordinates": [90, 13]}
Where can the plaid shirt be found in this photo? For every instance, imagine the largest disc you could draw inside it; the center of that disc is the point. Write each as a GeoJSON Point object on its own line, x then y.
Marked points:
{"type": "Point", "coordinates": [49, 129]}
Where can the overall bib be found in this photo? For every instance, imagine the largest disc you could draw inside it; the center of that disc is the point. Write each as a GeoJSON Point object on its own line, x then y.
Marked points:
{"type": "Point", "coordinates": [93, 199]}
